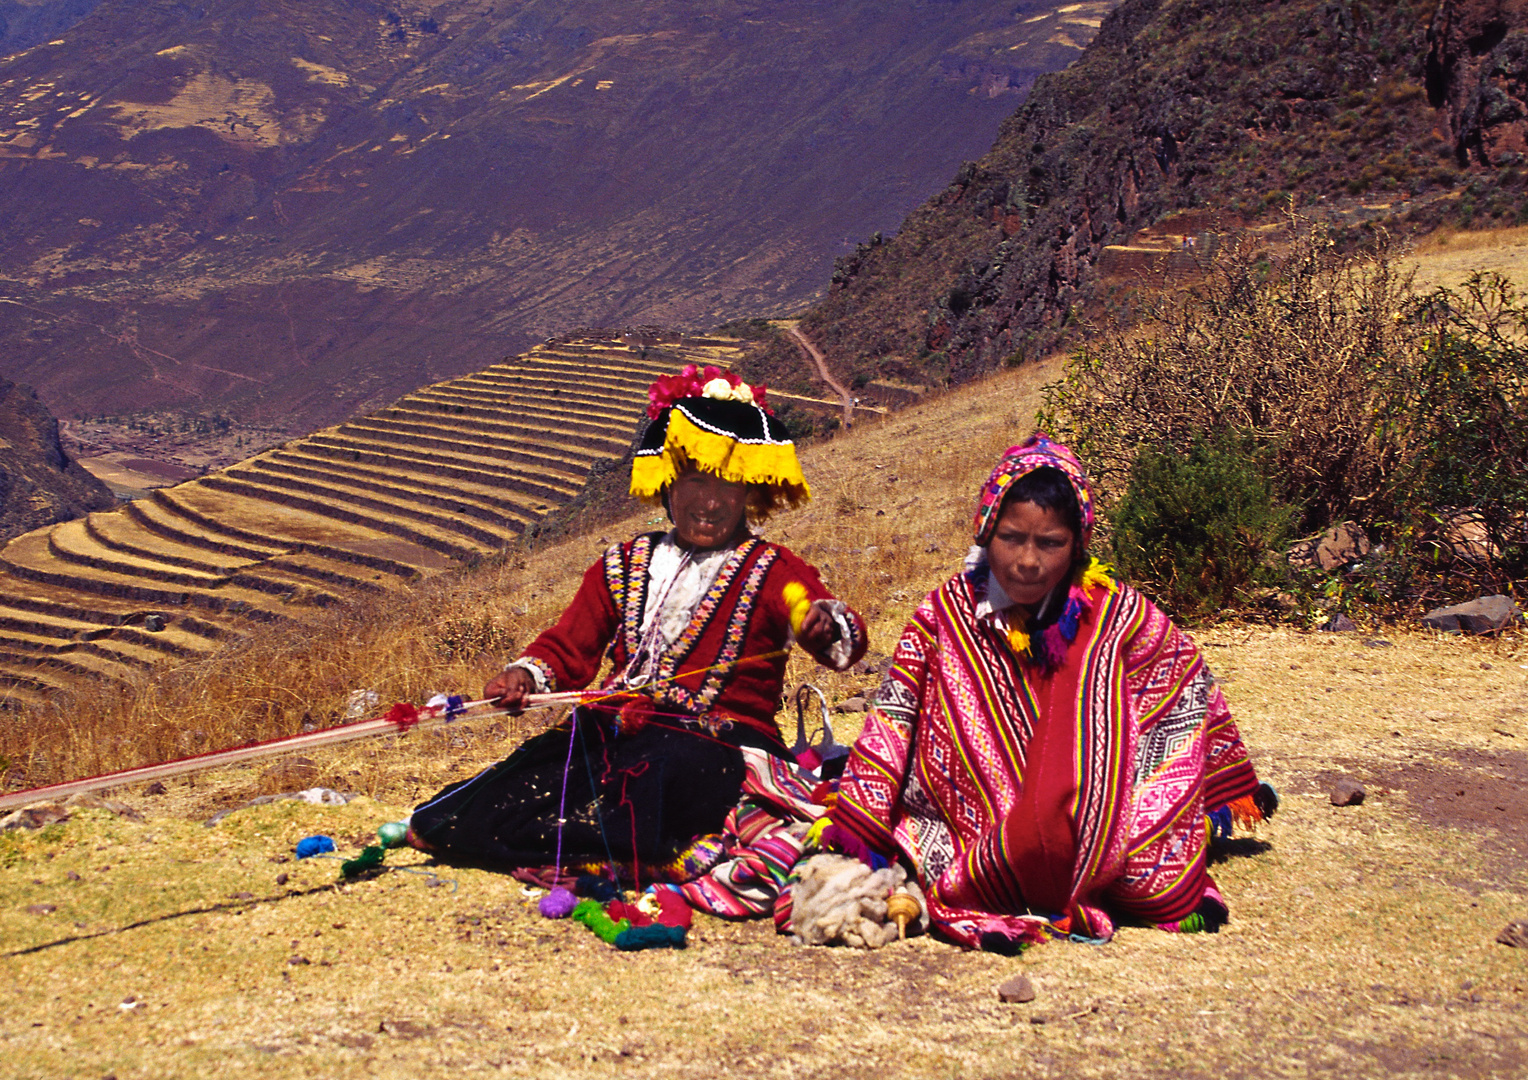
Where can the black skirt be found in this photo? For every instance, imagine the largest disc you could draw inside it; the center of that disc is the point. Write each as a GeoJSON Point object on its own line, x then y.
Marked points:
{"type": "Point", "coordinates": [634, 803]}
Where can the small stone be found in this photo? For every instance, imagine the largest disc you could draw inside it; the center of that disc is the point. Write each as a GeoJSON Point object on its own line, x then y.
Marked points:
{"type": "Point", "coordinates": [156, 788]}
{"type": "Point", "coordinates": [72, 876]}
{"type": "Point", "coordinates": [1486, 615]}
{"type": "Point", "coordinates": [1347, 792]}
{"type": "Point", "coordinates": [1017, 990]}
{"type": "Point", "coordinates": [281, 879]}
{"type": "Point", "coordinates": [86, 801]}
{"type": "Point", "coordinates": [1338, 546]}
{"type": "Point", "coordinates": [1339, 624]}
{"type": "Point", "coordinates": [41, 909]}
{"type": "Point", "coordinates": [298, 961]}
{"type": "Point", "coordinates": [34, 817]}
{"type": "Point", "coordinates": [241, 896]}
{"type": "Point", "coordinates": [854, 704]}
{"type": "Point", "coordinates": [1515, 933]}
{"type": "Point", "coordinates": [154, 623]}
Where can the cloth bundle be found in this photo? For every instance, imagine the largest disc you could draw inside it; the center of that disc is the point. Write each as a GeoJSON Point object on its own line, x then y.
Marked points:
{"type": "Point", "coordinates": [839, 900]}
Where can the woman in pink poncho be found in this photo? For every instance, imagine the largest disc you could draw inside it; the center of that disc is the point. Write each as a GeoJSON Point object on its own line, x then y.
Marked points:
{"type": "Point", "coordinates": [1048, 752]}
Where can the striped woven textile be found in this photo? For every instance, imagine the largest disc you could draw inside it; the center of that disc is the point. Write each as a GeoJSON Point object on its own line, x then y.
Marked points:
{"type": "Point", "coordinates": [763, 838]}
{"type": "Point", "coordinates": [1036, 804]}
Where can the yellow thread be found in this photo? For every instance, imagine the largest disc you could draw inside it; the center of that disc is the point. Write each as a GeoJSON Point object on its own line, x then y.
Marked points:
{"type": "Point", "coordinates": [624, 691]}
{"type": "Point", "coordinates": [814, 834]}
{"type": "Point", "coordinates": [797, 604]}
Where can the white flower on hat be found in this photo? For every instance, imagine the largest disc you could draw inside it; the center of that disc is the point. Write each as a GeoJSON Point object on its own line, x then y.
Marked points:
{"type": "Point", "coordinates": [722, 390]}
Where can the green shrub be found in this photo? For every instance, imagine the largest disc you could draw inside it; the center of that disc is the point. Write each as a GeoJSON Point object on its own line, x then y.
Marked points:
{"type": "Point", "coordinates": [1197, 525]}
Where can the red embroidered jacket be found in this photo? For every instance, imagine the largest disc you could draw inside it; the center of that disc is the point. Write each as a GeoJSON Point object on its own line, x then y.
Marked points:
{"type": "Point", "coordinates": [723, 667]}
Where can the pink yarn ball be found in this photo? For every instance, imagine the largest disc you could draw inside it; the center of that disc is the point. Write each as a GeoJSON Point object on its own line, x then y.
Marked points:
{"type": "Point", "coordinates": [557, 904]}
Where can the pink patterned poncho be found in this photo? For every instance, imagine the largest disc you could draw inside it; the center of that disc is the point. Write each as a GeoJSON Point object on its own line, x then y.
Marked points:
{"type": "Point", "coordinates": [1035, 802]}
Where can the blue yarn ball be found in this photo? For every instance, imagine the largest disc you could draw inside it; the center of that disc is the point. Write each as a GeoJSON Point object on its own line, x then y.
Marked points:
{"type": "Point", "coordinates": [310, 846]}
{"type": "Point", "coordinates": [557, 904]}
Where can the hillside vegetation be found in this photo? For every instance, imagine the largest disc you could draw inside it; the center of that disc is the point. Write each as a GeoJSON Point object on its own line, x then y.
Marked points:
{"type": "Point", "coordinates": [1289, 392]}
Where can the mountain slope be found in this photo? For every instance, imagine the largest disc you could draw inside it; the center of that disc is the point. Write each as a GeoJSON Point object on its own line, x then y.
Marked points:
{"type": "Point", "coordinates": [298, 210]}
{"type": "Point", "coordinates": [1189, 117]}
{"type": "Point", "coordinates": [39, 484]}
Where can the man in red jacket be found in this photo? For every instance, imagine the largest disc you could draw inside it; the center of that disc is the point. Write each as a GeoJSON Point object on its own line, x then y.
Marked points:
{"type": "Point", "coordinates": [697, 624]}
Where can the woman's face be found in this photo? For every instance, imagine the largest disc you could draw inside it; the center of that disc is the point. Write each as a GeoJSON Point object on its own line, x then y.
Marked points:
{"type": "Point", "coordinates": [1031, 552]}
{"type": "Point", "coordinates": [706, 509]}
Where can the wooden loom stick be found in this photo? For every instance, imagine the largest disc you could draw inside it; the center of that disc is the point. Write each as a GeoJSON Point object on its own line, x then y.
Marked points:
{"type": "Point", "coordinates": [428, 717]}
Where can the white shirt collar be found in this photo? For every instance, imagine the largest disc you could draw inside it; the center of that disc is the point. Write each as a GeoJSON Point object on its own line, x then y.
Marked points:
{"type": "Point", "coordinates": [991, 600]}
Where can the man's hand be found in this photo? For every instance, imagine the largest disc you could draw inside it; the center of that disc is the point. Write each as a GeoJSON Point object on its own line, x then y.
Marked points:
{"type": "Point", "coordinates": [818, 629]}
{"type": "Point", "coordinates": [508, 689]}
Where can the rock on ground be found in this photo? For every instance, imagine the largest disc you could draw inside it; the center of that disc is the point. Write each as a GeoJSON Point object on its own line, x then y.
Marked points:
{"type": "Point", "coordinates": [1485, 615]}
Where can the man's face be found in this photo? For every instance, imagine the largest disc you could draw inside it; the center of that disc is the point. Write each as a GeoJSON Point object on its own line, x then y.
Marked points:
{"type": "Point", "coordinates": [706, 509]}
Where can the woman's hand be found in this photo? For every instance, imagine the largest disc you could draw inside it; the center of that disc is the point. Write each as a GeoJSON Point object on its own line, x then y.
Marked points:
{"type": "Point", "coordinates": [818, 629]}
{"type": "Point", "coordinates": [509, 688]}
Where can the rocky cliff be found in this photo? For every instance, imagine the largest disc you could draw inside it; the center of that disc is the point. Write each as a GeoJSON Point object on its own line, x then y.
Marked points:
{"type": "Point", "coordinates": [39, 483]}
{"type": "Point", "coordinates": [1477, 78]}
{"type": "Point", "coordinates": [1188, 119]}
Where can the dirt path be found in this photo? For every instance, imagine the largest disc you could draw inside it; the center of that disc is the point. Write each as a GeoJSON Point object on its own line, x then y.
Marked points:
{"type": "Point", "coordinates": [821, 364]}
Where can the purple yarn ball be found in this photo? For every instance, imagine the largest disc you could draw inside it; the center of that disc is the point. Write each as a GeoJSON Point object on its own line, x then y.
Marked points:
{"type": "Point", "coordinates": [558, 904]}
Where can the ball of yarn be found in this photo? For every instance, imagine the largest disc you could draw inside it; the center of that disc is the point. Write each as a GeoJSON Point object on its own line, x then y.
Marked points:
{"type": "Point", "coordinates": [310, 846]}
{"type": "Point", "coordinates": [392, 834]}
{"type": "Point", "coordinates": [796, 603]}
{"type": "Point", "coordinates": [656, 936]}
{"type": "Point", "coordinates": [557, 904]}
{"type": "Point", "coordinates": [369, 859]}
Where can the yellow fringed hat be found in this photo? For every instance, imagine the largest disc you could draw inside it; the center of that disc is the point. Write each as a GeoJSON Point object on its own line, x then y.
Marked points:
{"type": "Point", "coordinates": [713, 420]}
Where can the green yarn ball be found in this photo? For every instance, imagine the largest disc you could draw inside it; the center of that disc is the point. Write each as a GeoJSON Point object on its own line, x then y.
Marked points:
{"type": "Point", "coordinates": [392, 834]}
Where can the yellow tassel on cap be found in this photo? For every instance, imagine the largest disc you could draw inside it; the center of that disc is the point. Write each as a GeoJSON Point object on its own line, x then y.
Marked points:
{"type": "Point", "coordinates": [774, 464]}
{"type": "Point", "coordinates": [1018, 640]}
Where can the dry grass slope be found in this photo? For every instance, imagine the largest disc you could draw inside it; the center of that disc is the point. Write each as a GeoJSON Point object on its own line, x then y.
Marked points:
{"type": "Point", "coordinates": [1360, 942]}
{"type": "Point", "coordinates": [446, 475]}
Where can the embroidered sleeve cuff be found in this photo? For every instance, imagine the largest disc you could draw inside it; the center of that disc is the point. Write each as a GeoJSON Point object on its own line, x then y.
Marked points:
{"type": "Point", "coordinates": [841, 652]}
{"type": "Point", "coordinates": [539, 670]}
